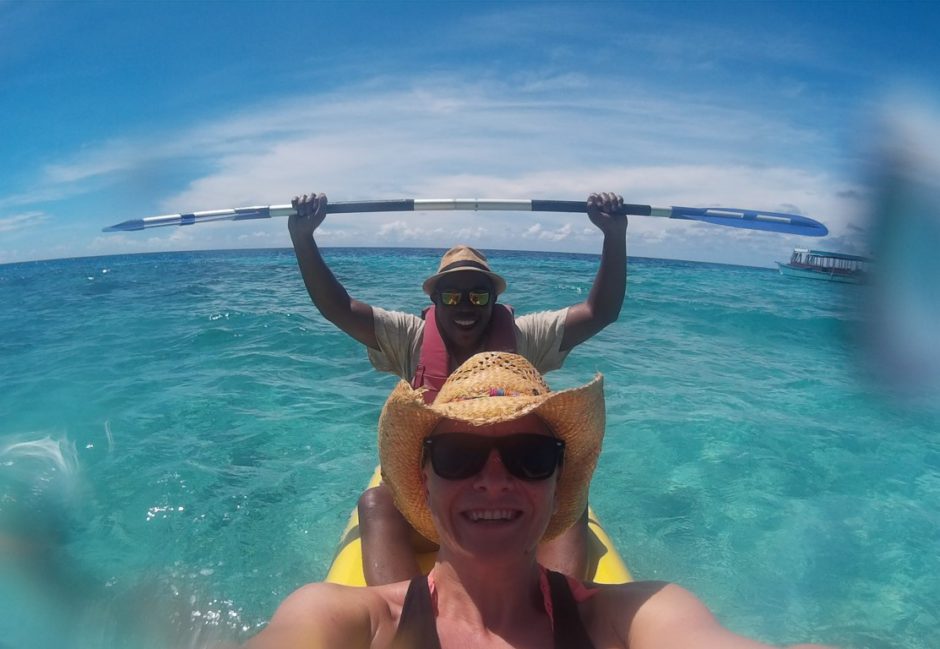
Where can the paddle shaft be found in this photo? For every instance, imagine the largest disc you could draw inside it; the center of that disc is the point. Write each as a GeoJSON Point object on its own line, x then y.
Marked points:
{"type": "Point", "coordinates": [471, 204]}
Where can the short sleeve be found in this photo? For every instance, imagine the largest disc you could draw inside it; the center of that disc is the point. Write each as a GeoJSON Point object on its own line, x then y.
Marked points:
{"type": "Point", "coordinates": [399, 337]}
{"type": "Point", "coordinates": [538, 339]}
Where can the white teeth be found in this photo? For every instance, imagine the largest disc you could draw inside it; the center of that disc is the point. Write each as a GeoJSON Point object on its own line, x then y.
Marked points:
{"type": "Point", "coordinates": [491, 515]}
{"type": "Point", "coordinates": [465, 323]}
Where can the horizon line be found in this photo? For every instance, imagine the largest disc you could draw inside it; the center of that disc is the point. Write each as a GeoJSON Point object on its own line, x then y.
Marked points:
{"type": "Point", "coordinates": [283, 248]}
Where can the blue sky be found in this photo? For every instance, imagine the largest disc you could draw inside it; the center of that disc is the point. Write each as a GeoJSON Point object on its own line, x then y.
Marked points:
{"type": "Point", "coordinates": [112, 111]}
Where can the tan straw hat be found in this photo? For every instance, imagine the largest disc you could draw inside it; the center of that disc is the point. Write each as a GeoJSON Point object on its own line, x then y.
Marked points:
{"type": "Point", "coordinates": [489, 388]}
{"type": "Point", "coordinates": [462, 258]}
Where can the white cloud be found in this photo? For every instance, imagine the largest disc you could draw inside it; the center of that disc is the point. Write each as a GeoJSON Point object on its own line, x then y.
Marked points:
{"type": "Point", "coordinates": [21, 221]}
{"type": "Point", "coordinates": [471, 234]}
{"type": "Point", "coordinates": [399, 231]}
{"type": "Point", "coordinates": [445, 138]}
{"type": "Point", "coordinates": [111, 157]}
{"type": "Point", "coordinates": [558, 234]}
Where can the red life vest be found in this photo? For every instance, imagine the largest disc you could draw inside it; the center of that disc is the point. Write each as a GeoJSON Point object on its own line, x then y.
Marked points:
{"type": "Point", "coordinates": [434, 361]}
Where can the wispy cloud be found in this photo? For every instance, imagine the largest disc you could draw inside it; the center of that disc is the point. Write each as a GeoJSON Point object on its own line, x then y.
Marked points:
{"type": "Point", "coordinates": [21, 221]}
{"type": "Point", "coordinates": [558, 234]}
{"type": "Point", "coordinates": [450, 137]}
{"type": "Point", "coordinates": [443, 113]}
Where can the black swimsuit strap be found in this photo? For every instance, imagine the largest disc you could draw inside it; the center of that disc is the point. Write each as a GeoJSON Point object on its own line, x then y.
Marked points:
{"type": "Point", "coordinates": [569, 631]}
{"type": "Point", "coordinates": [416, 627]}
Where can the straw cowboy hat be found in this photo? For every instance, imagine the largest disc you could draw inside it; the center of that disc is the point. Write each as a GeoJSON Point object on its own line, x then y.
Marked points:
{"type": "Point", "coordinates": [489, 388]}
{"type": "Point", "coordinates": [461, 259]}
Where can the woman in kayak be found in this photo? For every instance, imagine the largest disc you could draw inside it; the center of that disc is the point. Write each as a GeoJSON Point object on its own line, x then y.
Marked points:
{"type": "Point", "coordinates": [497, 463]}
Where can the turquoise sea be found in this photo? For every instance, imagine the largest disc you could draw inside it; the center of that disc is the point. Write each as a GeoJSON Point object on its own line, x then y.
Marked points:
{"type": "Point", "coordinates": [182, 437]}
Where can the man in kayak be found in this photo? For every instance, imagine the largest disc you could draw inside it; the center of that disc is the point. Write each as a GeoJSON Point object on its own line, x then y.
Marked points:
{"type": "Point", "coordinates": [497, 463]}
{"type": "Point", "coordinates": [464, 319]}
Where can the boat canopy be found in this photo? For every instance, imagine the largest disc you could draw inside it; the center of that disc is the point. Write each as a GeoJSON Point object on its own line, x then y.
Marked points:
{"type": "Point", "coordinates": [830, 260]}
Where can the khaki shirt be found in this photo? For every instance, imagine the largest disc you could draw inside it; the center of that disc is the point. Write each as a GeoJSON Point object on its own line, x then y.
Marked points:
{"type": "Point", "coordinates": [538, 338]}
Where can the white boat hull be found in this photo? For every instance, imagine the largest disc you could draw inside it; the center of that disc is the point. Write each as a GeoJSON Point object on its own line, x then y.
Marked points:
{"type": "Point", "coordinates": [820, 274]}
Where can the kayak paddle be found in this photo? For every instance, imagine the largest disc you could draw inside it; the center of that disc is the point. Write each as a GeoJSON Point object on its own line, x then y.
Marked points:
{"type": "Point", "coordinates": [736, 218]}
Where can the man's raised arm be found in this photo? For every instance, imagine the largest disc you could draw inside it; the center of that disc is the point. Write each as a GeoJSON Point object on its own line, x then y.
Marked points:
{"type": "Point", "coordinates": [602, 306]}
{"type": "Point", "coordinates": [329, 296]}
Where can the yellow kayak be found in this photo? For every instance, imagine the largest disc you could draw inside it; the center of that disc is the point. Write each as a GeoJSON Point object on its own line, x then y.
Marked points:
{"type": "Point", "coordinates": [605, 564]}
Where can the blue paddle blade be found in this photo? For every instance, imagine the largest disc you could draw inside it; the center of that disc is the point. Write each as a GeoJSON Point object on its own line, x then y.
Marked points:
{"type": "Point", "coordinates": [126, 226]}
{"type": "Point", "coordinates": [753, 220]}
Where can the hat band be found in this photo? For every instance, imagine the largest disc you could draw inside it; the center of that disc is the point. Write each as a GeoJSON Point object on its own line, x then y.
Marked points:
{"type": "Point", "coordinates": [493, 392]}
{"type": "Point", "coordinates": [464, 264]}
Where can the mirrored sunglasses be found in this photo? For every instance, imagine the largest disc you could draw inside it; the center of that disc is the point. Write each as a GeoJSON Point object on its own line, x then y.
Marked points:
{"type": "Point", "coordinates": [453, 298]}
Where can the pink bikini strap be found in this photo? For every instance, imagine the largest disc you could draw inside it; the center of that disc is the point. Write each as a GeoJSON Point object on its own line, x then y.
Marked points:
{"type": "Point", "coordinates": [579, 591]}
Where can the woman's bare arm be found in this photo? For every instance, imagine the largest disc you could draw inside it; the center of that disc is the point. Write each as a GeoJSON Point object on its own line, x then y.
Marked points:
{"type": "Point", "coordinates": [319, 616]}
{"type": "Point", "coordinates": [674, 618]}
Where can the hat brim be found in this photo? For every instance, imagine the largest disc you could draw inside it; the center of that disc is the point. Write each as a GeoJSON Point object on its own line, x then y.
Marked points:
{"type": "Point", "coordinates": [499, 284]}
{"type": "Point", "coordinates": [576, 416]}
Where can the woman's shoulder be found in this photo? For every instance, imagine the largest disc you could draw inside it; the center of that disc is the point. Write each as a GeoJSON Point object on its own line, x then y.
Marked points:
{"type": "Point", "coordinates": [331, 615]}
{"type": "Point", "coordinates": [656, 613]}
{"type": "Point", "coordinates": [624, 600]}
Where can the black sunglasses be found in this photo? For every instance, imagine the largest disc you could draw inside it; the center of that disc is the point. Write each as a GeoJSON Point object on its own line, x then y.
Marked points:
{"type": "Point", "coordinates": [527, 456]}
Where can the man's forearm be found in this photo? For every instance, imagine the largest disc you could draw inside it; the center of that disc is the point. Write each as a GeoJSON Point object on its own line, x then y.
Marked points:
{"type": "Point", "coordinates": [606, 297]}
{"type": "Point", "coordinates": [602, 306]}
{"type": "Point", "coordinates": [328, 295]}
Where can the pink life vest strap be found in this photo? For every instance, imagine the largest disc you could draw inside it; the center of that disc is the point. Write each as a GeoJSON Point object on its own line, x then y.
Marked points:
{"type": "Point", "coordinates": [434, 361]}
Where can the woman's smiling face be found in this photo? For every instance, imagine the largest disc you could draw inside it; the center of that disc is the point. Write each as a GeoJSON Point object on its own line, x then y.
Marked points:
{"type": "Point", "coordinates": [492, 512]}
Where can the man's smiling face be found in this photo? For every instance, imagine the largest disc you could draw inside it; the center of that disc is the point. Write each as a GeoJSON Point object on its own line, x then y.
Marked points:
{"type": "Point", "coordinates": [464, 324]}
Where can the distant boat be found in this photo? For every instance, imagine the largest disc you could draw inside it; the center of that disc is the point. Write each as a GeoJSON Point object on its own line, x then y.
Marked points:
{"type": "Point", "coordinates": [828, 266]}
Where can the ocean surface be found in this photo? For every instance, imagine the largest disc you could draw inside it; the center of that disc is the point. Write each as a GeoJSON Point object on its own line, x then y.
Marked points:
{"type": "Point", "coordinates": [182, 438]}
